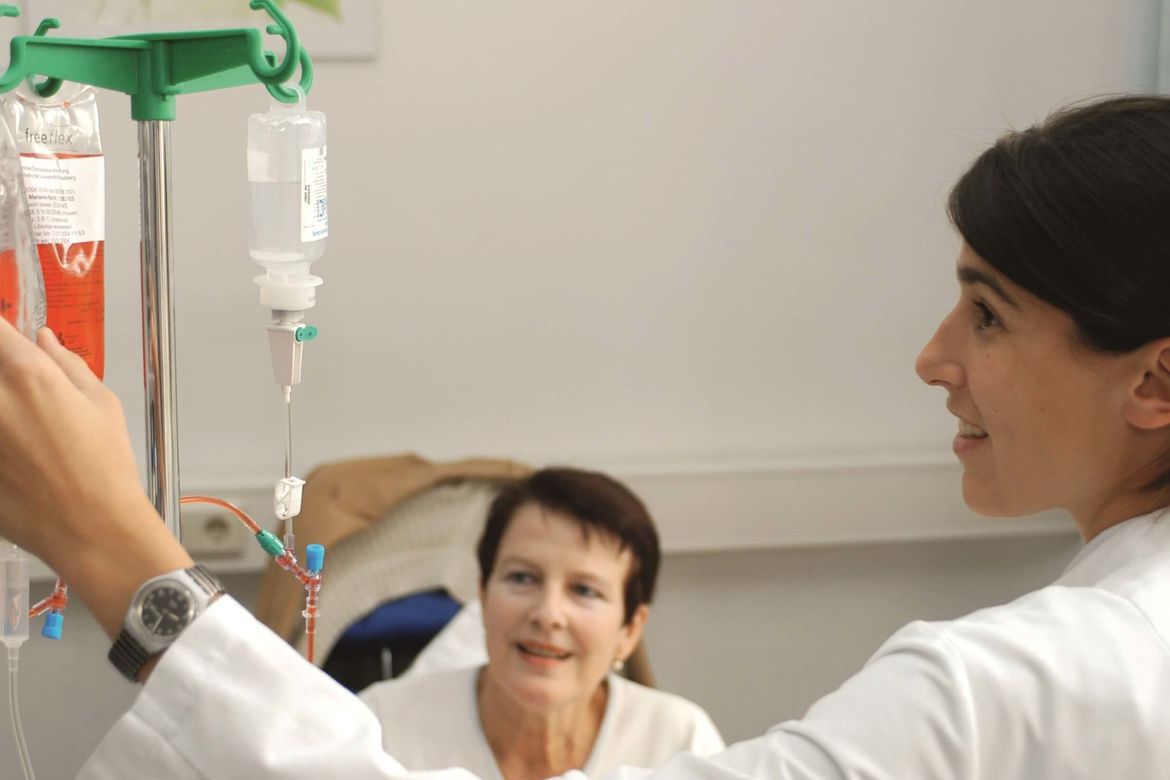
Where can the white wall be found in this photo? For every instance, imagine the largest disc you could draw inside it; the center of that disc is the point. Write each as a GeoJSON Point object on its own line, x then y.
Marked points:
{"type": "Point", "coordinates": [619, 233]}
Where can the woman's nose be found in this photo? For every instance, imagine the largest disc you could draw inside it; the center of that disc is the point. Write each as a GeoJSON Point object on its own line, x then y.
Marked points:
{"type": "Point", "coordinates": [548, 611]}
{"type": "Point", "coordinates": [937, 363]}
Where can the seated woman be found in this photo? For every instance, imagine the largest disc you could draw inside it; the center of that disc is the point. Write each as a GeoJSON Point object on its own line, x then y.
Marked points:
{"type": "Point", "coordinates": [568, 561]}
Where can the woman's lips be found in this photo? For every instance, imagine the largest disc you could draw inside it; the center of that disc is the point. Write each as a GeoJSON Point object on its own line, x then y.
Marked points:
{"type": "Point", "coordinates": [542, 655]}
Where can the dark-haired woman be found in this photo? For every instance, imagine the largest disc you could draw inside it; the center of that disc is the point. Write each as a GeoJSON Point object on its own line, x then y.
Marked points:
{"type": "Point", "coordinates": [568, 561]}
{"type": "Point", "coordinates": [1056, 364]}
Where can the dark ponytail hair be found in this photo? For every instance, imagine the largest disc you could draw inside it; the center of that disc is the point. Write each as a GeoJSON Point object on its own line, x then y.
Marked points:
{"type": "Point", "coordinates": [1076, 210]}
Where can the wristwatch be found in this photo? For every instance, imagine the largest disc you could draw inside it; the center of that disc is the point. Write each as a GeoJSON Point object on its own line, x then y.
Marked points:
{"type": "Point", "coordinates": [161, 609]}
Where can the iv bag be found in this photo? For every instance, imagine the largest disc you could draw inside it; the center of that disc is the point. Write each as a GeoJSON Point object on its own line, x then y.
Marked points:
{"type": "Point", "coordinates": [290, 206]}
{"type": "Point", "coordinates": [22, 287]}
{"type": "Point", "coordinates": [286, 170]}
{"type": "Point", "coordinates": [64, 185]}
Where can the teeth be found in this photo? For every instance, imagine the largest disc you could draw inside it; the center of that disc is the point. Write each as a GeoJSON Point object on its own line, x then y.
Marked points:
{"type": "Point", "coordinates": [542, 653]}
{"type": "Point", "coordinates": [969, 431]}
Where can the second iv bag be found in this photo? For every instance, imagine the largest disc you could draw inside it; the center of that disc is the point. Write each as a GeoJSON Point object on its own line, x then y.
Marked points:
{"type": "Point", "coordinates": [64, 180]}
{"type": "Point", "coordinates": [22, 289]}
{"type": "Point", "coordinates": [290, 207]}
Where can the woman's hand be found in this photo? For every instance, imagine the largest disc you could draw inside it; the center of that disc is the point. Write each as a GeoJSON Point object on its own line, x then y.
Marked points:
{"type": "Point", "coordinates": [64, 450]}
{"type": "Point", "coordinates": [69, 489]}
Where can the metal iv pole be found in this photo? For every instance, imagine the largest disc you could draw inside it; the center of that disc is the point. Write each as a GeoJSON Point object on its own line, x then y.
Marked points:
{"type": "Point", "coordinates": [158, 316]}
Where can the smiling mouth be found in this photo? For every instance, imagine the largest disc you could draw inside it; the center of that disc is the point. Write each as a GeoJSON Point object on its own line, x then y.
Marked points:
{"type": "Point", "coordinates": [970, 431]}
{"type": "Point", "coordinates": [542, 651]}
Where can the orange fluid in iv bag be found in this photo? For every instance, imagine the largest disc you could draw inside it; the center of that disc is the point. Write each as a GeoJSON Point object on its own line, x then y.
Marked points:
{"type": "Point", "coordinates": [22, 293]}
{"type": "Point", "coordinates": [75, 298]}
{"type": "Point", "coordinates": [9, 287]}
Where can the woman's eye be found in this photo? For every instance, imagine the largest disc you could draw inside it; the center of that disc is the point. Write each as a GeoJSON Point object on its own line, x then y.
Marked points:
{"type": "Point", "coordinates": [519, 577]}
{"type": "Point", "coordinates": [985, 317]}
{"type": "Point", "coordinates": [586, 591]}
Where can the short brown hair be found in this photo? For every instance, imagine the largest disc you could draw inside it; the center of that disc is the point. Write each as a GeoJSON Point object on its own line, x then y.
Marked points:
{"type": "Point", "coordinates": [594, 500]}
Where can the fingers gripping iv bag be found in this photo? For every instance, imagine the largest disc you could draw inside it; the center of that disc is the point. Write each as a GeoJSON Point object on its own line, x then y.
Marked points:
{"type": "Point", "coordinates": [290, 207]}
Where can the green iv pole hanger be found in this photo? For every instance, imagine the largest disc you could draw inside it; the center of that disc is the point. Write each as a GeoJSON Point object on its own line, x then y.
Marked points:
{"type": "Point", "coordinates": [153, 69]}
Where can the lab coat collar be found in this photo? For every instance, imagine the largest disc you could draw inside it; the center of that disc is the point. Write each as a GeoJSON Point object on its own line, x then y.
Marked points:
{"type": "Point", "coordinates": [1131, 541]}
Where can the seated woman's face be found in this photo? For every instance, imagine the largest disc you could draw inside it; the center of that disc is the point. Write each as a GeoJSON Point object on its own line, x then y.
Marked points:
{"type": "Point", "coordinates": [553, 609]}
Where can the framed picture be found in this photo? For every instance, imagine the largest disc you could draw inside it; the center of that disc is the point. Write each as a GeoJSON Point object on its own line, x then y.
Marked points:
{"type": "Point", "coordinates": [329, 29]}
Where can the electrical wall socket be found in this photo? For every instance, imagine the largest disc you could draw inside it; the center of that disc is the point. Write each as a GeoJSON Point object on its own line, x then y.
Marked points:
{"type": "Point", "coordinates": [211, 532]}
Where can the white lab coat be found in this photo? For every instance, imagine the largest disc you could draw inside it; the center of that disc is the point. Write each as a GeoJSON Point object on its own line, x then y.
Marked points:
{"type": "Point", "coordinates": [1071, 681]}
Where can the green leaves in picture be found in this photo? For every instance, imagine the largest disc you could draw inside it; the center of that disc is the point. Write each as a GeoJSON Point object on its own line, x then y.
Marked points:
{"type": "Point", "coordinates": [330, 7]}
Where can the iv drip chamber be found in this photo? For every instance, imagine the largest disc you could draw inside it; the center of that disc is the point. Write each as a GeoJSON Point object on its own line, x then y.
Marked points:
{"type": "Point", "coordinates": [13, 595]}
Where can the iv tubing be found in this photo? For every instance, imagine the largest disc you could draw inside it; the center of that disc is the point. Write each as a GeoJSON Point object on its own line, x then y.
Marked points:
{"type": "Point", "coordinates": [54, 602]}
{"type": "Point", "coordinates": [286, 560]}
{"type": "Point", "coordinates": [288, 437]}
{"type": "Point", "coordinates": [14, 708]}
{"type": "Point", "coordinates": [312, 583]}
{"type": "Point", "coordinates": [228, 505]}
{"type": "Point", "coordinates": [290, 539]}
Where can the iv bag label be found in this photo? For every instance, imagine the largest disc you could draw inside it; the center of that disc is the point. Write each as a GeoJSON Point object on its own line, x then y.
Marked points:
{"type": "Point", "coordinates": [314, 195]}
{"type": "Point", "coordinates": [66, 206]}
{"type": "Point", "coordinates": [61, 198]}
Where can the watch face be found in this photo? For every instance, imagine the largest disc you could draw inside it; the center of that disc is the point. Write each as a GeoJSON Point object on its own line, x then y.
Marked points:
{"type": "Point", "coordinates": [166, 610]}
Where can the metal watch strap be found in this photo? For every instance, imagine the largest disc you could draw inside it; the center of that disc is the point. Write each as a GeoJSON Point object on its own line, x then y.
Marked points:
{"type": "Point", "coordinates": [206, 579]}
{"type": "Point", "coordinates": [127, 655]}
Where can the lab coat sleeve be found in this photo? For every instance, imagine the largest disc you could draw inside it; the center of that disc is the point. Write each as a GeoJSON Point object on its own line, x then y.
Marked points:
{"type": "Point", "coordinates": [907, 714]}
{"type": "Point", "coordinates": [231, 699]}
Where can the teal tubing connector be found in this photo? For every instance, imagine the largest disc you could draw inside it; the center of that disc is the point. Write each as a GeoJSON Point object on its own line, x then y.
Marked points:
{"type": "Point", "coordinates": [270, 543]}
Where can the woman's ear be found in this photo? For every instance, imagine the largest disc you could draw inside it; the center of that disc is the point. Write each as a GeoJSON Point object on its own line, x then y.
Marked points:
{"type": "Point", "coordinates": [631, 632]}
{"type": "Point", "coordinates": [1147, 406]}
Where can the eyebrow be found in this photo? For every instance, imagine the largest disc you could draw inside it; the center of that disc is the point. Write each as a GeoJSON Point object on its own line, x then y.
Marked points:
{"type": "Point", "coordinates": [590, 578]}
{"type": "Point", "coordinates": [969, 275]}
{"type": "Point", "coordinates": [516, 560]}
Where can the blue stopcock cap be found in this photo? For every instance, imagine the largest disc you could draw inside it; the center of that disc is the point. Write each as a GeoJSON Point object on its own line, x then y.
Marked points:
{"type": "Point", "coordinates": [52, 627]}
{"type": "Point", "coordinates": [315, 557]}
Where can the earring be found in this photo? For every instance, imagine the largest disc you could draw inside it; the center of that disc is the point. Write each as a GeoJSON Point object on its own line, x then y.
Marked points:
{"type": "Point", "coordinates": [618, 665]}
